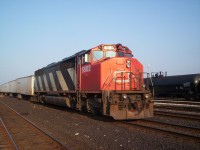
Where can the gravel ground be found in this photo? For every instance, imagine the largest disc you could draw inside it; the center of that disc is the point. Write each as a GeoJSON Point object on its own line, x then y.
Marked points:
{"type": "Point", "coordinates": [85, 131]}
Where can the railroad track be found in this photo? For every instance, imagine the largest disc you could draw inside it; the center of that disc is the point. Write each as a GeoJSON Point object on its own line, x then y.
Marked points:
{"type": "Point", "coordinates": [6, 141]}
{"type": "Point", "coordinates": [24, 133]}
{"type": "Point", "coordinates": [175, 114]}
{"type": "Point", "coordinates": [174, 130]}
{"type": "Point", "coordinates": [178, 102]}
{"type": "Point", "coordinates": [178, 105]}
{"type": "Point", "coordinates": [175, 108]}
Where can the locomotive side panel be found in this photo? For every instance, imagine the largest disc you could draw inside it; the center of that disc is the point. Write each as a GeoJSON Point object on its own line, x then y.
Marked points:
{"type": "Point", "coordinates": [38, 82]}
{"type": "Point", "coordinates": [90, 77]}
{"type": "Point", "coordinates": [56, 77]}
{"type": "Point", "coordinates": [68, 74]}
{"type": "Point", "coordinates": [52, 78]}
{"type": "Point", "coordinates": [137, 74]}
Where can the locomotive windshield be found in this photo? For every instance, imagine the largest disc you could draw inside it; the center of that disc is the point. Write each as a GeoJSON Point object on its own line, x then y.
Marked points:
{"type": "Point", "coordinates": [110, 54]}
{"type": "Point", "coordinates": [123, 54]}
{"type": "Point", "coordinates": [110, 51]}
{"type": "Point", "coordinates": [123, 51]}
{"type": "Point", "coordinates": [99, 54]}
{"type": "Point", "coordinates": [129, 55]}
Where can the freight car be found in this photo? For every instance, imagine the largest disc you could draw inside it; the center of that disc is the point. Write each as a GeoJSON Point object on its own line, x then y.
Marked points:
{"type": "Point", "coordinates": [179, 86]}
{"type": "Point", "coordinates": [20, 88]}
{"type": "Point", "coordinates": [105, 79]}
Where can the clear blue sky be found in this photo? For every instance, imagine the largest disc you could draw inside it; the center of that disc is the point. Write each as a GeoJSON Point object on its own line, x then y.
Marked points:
{"type": "Point", "coordinates": [35, 33]}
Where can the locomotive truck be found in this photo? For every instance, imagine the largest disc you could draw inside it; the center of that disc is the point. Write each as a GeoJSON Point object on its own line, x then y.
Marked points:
{"type": "Point", "coordinates": [105, 79]}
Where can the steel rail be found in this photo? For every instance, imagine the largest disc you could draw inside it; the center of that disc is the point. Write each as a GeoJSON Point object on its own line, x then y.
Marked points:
{"type": "Point", "coordinates": [165, 131]}
{"type": "Point", "coordinates": [177, 115]}
{"type": "Point", "coordinates": [171, 124]}
{"type": "Point", "coordinates": [177, 102]}
{"type": "Point", "coordinates": [9, 135]}
{"type": "Point", "coordinates": [54, 139]}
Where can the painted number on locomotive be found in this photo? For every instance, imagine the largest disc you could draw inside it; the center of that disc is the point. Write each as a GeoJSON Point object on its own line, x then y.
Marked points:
{"type": "Point", "coordinates": [86, 68]}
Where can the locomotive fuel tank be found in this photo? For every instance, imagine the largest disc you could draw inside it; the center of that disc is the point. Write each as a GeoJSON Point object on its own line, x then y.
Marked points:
{"type": "Point", "coordinates": [59, 101]}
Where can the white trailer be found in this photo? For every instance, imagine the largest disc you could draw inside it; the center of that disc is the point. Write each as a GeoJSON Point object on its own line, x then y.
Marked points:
{"type": "Point", "coordinates": [21, 87]}
{"type": "Point", "coordinates": [8, 88]}
{"type": "Point", "coordinates": [4, 88]}
{"type": "Point", "coordinates": [12, 86]}
{"type": "Point", "coordinates": [25, 86]}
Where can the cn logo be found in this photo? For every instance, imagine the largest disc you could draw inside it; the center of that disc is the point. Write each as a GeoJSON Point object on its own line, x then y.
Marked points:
{"type": "Point", "coordinates": [120, 76]}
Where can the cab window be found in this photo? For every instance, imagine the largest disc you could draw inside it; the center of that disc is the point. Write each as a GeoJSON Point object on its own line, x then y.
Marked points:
{"type": "Point", "coordinates": [129, 55]}
{"type": "Point", "coordinates": [121, 54]}
{"type": "Point", "coordinates": [86, 58]}
{"type": "Point", "coordinates": [110, 54]}
{"type": "Point", "coordinates": [97, 55]}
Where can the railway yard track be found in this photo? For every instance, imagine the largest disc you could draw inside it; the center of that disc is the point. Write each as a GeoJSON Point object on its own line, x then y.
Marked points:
{"type": "Point", "coordinates": [190, 133]}
{"type": "Point", "coordinates": [178, 105]}
{"type": "Point", "coordinates": [22, 132]}
{"type": "Point", "coordinates": [6, 141]}
{"type": "Point", "coordinates": [172, 124]}
{"type": "Point", "coordinates": [175, 114]}
{"type": "Point", "coordinates": [178, 102]}
{"type": "Point", "coordinates": [176, 111]}
{"type": "Point", "coordinates": [179, 109]}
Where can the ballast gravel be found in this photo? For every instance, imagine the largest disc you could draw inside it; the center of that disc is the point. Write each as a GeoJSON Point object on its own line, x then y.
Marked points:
{"type": "Point", "coordinates": [84, 131]}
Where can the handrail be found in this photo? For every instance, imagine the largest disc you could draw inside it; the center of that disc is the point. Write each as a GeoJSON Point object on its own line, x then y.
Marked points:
{"type": "Point", "coordinates": [120, 78]}
{"type": "Point", "coordinates": [129, 79]}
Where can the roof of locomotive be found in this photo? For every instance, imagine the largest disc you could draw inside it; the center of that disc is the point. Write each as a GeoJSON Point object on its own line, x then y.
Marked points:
{"type": "Point", "coordinates": [73, 56]}
{"type": "Point", "coordinates": [81, 53]}
{"type": "Point", "coordinates": [65, 59]}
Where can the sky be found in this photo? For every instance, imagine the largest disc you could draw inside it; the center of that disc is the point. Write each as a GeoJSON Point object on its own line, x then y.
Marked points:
{"type": "Point", "coordinates": [163, 34]}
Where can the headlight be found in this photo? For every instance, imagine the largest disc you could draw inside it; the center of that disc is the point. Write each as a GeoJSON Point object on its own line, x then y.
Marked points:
{"type": "Point", "coordinates": [128, 63]}
{"type": "Point", "coordinates": [196, 81]}
{"type": "Point", "coordinates": [146, 96]}
{"type": "Point", "coordinates": [124, 96]}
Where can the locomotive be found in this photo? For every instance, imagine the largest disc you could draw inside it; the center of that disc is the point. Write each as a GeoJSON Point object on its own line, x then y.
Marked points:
{"type": "Point", "coordinates": [105, 79]}
{"type": "Point", "coordinates": [178, 86]}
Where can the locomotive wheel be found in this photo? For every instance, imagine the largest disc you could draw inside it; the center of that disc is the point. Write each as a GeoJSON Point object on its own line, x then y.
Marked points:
{"type": "Point", "coordinates": [90, 108]}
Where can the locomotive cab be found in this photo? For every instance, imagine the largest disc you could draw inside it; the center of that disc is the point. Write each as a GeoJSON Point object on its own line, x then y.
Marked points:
{"type": "Point", "coordinates": [103, 52]}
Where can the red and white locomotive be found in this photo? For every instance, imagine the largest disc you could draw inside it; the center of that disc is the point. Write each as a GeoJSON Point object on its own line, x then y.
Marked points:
{"type": "Point", "coordinates": [105, 79]}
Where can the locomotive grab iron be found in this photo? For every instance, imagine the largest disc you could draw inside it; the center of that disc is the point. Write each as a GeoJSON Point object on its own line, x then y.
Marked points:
{"type": "Point", "coordinates": [105, 79]}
